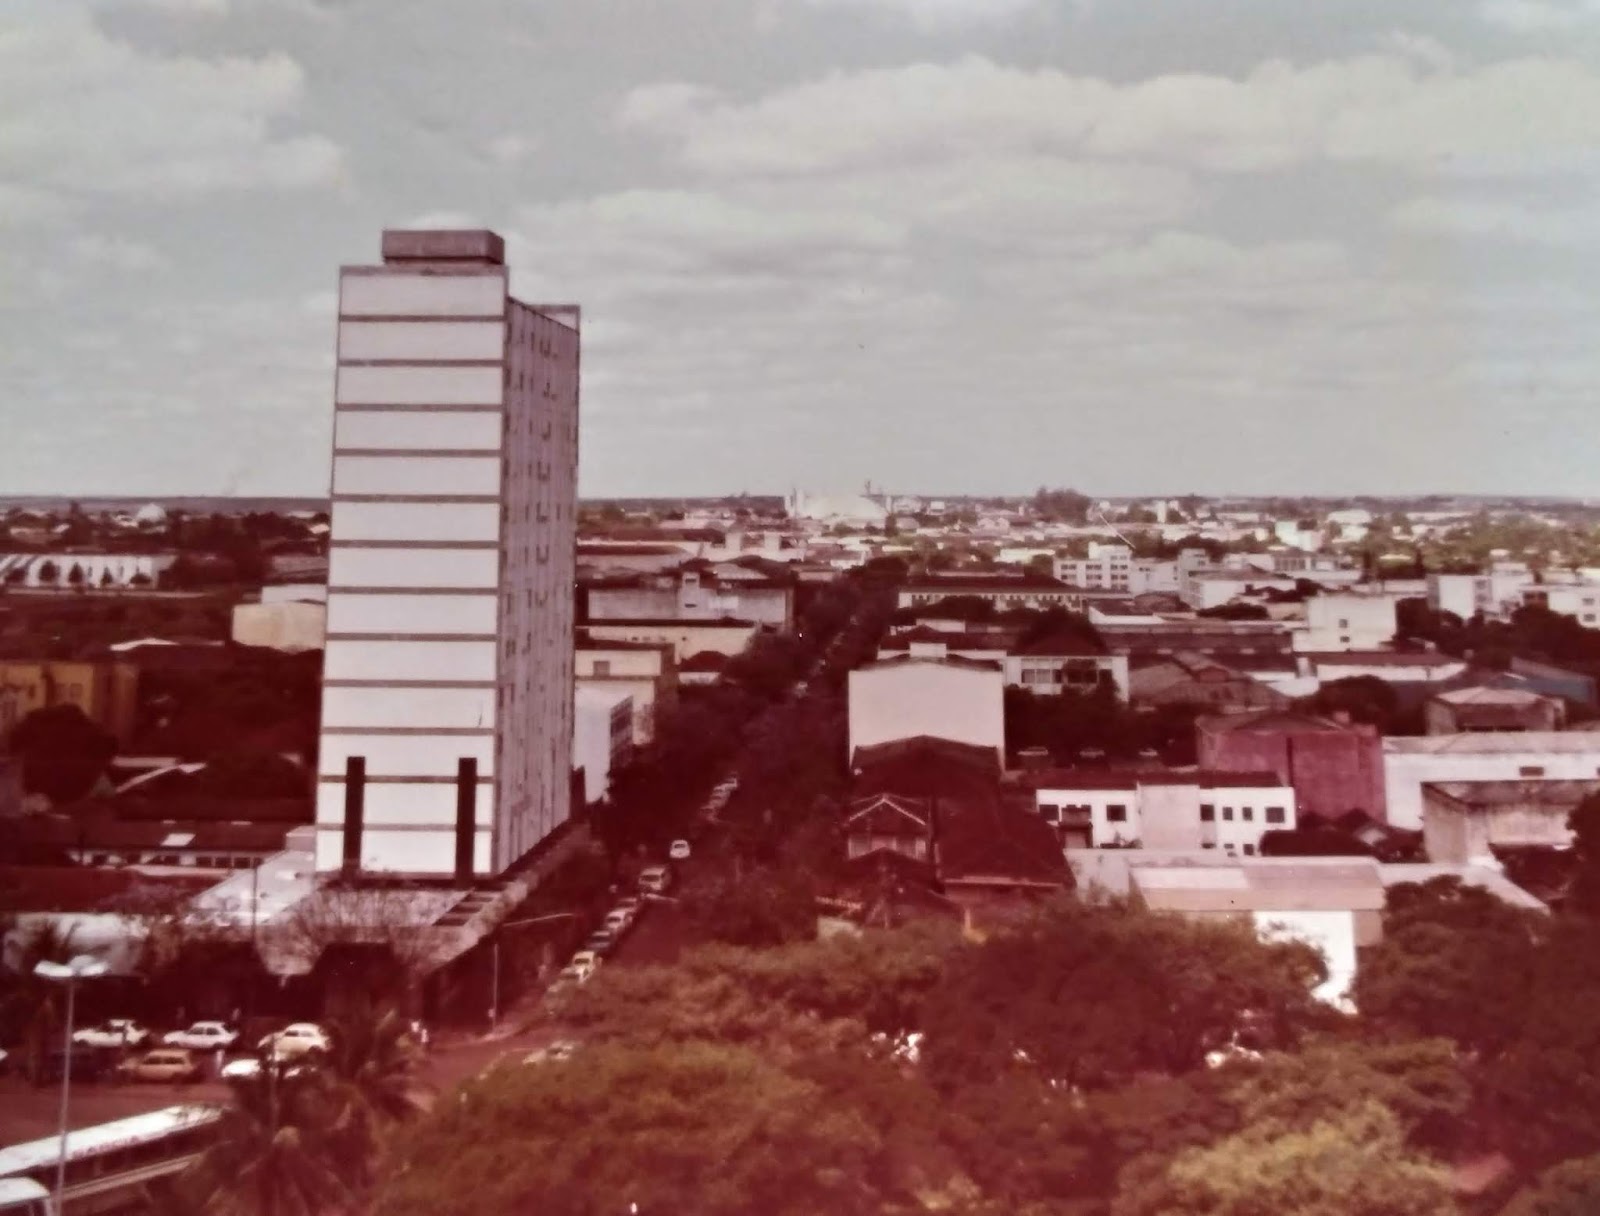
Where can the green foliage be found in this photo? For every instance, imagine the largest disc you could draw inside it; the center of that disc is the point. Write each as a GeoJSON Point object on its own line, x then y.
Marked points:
{"type": "Point", "coordinates": [1166, 991]}
{"type": "Point", "coordinates": [1354, 1163]}
{"type": "Point", "coordinates": [1547, 1081]}
{"type": "Point", "coordinates": [1583, 897]}
{"type": "Point", "coordinates": [1455, 961]}
{"type": "Point", "coordinates": [714, 1130]}
{"type": "Point", "coordinates": [764, 908]}
{"type": "Point", "coordinates": [63, 753]}
{"type": "Point", "coordinates": [1062, 506]}
{"type": "Point", "coordinates": [801, 996]}
{"type": "Point", "coordinates": [1569, 1189]}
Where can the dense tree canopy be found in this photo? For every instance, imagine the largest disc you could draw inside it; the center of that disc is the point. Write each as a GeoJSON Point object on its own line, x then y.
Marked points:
{"type": "Point", "coordinates": [63, 753]}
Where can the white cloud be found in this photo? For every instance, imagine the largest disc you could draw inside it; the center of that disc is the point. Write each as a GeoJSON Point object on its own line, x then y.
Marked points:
{"type": "Point", "coordinates": [509, 148]}
{"type": "Point", "coordinates": [84, 115]}
{"type": "Point", "coordinates": [1377, 108]}
{"type": "Point", "coordinates": [116, 253]}
{"type": "Point", "coordinates": [1476, 219]}
{"type": "Point", "coordinates": [1540, 16]}
{"type": "Point", "coordinates": [941, 15]}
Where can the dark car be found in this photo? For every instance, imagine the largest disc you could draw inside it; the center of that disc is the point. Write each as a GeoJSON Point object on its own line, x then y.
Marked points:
{"type": "Point", "coordinates": [88, 1064]}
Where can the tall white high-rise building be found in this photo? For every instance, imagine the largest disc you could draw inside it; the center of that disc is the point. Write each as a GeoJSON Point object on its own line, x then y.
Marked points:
{"type": "Point", "coordinates": [446, 738]}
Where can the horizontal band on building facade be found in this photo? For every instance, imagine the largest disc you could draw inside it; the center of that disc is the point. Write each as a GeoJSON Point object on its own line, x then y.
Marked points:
{"type": "Point", "coordinates": [442, 732]}
{"type": "Point", "coordinates": [422, 362]}
{"type": "Point", "coordinates": [414, 544]}
{"type": "Point", "coordinates": [339, 590]}
{"type": "Point", "coordinates": [368, 828]}
{"type": "Point", "coordinates": [424, 499]}
{"type": "Point", "coordinates": [423, 453]}
{"type": "Point", "coordinates": [410, 683]}
{"type": "Point", "coordinates": [406, 408]}
{"type": "Point", "coordinates": [412, 637]}
{"type": "Point", "coordinates": [372, 779]}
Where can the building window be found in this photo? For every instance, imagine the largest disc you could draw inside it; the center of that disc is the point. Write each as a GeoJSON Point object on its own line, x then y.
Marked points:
{"type": "Point", "coordinates": [1227, 813]}
{"type": "Point", "coordinates": [602, 667]}
{"type": "Point", "coordinates": [1117, 813]}
{"type": "Point", "coordinates": [1208, 813]}
{"type": "Point", "coordinates": [1247, 813]}
{"type": "Point", "coordinates": [1274, 814]}
{"type": "Point", "coordinates": [1250, 850]}
{"type": "Point", "coordinates": [1531, 770]}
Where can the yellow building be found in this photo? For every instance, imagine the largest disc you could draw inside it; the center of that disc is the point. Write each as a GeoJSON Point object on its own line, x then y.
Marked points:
{"type": "Point", "coordinates": [106, 692]}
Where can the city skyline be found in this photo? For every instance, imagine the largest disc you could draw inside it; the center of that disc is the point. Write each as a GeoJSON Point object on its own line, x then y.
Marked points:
{"type": "Point", "coordinates": [1339, 251]}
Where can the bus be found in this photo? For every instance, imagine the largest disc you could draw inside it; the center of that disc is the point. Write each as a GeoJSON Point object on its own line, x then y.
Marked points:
{"type": "Point", "coordinates": [111, 1166]}
{"type": "Point", "coordinates": [24, 1197]}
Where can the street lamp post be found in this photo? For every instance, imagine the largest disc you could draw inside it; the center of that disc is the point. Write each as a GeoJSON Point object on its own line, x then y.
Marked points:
{"type": "Point", "coordinates": [494, 957]}
{"type": "Point", "coordinates": [82, 967]}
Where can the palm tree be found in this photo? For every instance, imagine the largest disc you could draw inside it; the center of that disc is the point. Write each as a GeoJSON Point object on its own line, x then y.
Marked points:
{"type": "Point", "coordinates": [275, 1151]}
{"type": "Point", "coordinates": [371, 1073]}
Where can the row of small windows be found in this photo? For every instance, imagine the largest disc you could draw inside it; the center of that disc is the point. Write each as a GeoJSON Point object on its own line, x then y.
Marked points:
{"type": "Point", "coordinates": [1208, 814]}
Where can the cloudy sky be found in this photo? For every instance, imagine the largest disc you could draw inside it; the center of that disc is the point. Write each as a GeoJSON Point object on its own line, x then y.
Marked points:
{"type": "Point", "coordinates": [949, 245]}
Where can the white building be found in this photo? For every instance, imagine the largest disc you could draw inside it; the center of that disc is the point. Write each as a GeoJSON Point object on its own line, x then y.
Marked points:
{"type": "Point", "coordinates": [602, 737]}
{"type": "Point", "coordinates": [1411, 763]}
{"type": "Point", "coordinates": [1494, 593]}
{"type": "Point", "coordinates": [1347, 622]}
{"type": "Point", "coordinates": [448, 672]}
{"type": "Point", "coordinates": [952, 699]}
{"type": "Point", "coordinates": [1581, 601]}
{"type": "Point", "coordinates": [1096, 808]}
{"type": "Point", "coordinates": [288, 625]}
{"type": "Point", "coordinates": [852, 509]}
{"type": "Point", "coordinates": [1113, 567]}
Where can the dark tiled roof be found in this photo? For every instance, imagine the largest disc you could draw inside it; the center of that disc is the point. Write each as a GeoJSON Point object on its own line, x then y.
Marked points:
{"type": "Point", "coordinates": [993, 842]}
{"type": "Point", "coordinates": [1111, 779]}
{"type": "Point", "coordinates": [1281, 720]}
{"type": "Point", "coordinates": [1380, 658]}
{"type": "Point", "coordinates": [1063, 643]}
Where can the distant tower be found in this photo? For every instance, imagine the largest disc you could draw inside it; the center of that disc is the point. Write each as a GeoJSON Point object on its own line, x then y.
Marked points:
{"type": "Point", "coordinates": [446, 744]}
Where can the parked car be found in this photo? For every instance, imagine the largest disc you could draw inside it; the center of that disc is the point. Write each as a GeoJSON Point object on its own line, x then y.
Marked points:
{"type": "Point", "coordinates": [631, 904]}
{"type": "Point", "coordinates": [655, 880]}
{"type": "Point", "coordinates": [561, 1049]}
{"type": "Point", "coordinates": [602, 942]}
{"type": "Point", "coordinates": [202, 1036]}
{"type": "Point", "coordinates": [296, 1040]}
{"type": "Point", "coordinates": [246, 1067]}
{"type": "Point", "coordinates": [171, 1065]}
{"type": "Point", "coordinates": [618, 921]}
{"type": "Point", "coordinates": [679, 851]}
{"type": "Point", "coordinates": [586, 961]}
{"type": "Point", "coordinates": [112, 1033]}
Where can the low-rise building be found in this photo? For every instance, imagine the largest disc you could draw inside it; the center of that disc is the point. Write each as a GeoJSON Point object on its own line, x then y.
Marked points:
{"type": "Point", "coordinates": [1463, 822]}
{"type": "Point", "coordinates": [1112, 566]}
{"type": "Point", "coordinates": [1196, 809]}
{"type": "Point", "coordinates": [288, 625]}
{"type": "Point", "coordinates": [1409, 764]}
{"type": "Point", "coordinates": [1334, 904]}
{"type": "Point", "coordinates": [602, 737]}
{"type": "Point", "coordinates": [646, 671]}
{"type": "Point", "coordinates": [951, 699]}
{"type": "Point", "coordinates": [1195, 679]}
{"type": "Point", "coordinates": [1005, 592]}
{"type": "Point", "coordinates": [696, 591]}
{"type": "Point", "coordinates": [1491, 709]}
{"type": "Point", "coordinates": [1390, 666]}
{"type": "Point", "coordinates": [1335, 765]}
{"type": "Point", "coordinates": [1580, 601]}
{"type": "Point", "coordinates": [1347, 622]}
{"type": "Point", "coordinates": [1143, 635]}
{"type": "Point", "coordinates": [106, 691]}
{"type": "Point", "coordinates": [687, 638]}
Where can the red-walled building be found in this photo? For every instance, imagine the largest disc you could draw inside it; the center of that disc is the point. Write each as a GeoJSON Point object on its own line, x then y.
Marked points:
{"type": "Point", "coordinates": [1334, 765]}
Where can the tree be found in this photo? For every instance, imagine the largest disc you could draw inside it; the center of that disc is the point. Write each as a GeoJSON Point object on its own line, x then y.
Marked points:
{"type": "Point", "coordinates": [276, 1151]}
{"type": "Point", "coordinates": [371, 1073]}
{"type": "Point", "coordinates": [75, 575]}
{"type": "Point", "coordinates": [1091, 995]}
{"type": "Point", "coordinates": [765, 908]}
{"type": "Point", "coordinates": [49, 573]}
{"type": "Point", "coordinates": [1353, 1163]}
{"type": "Point", "coordinates": [1584, 895]}
{"type": "Point", "coordinates": [1455, 961]}
{"type": "Point", "coordinates": [1546, 1083]}
{"type": "Point", "coordinates": [1569, 1189]}
{"type": "Point", "coordinates": [714, 1130]}
{"type": "Point", "coordinates": [63, 753]}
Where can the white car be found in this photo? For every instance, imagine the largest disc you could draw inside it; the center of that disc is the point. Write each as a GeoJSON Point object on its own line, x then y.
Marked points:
{"type": "Point", "coordinates": [297, 1039]}
{"type": "Point", "coordinates": [561, 1049]}
{"type": "Point", "coordinates": [202, 1036]}
{"type": "Point", "coordinates": [585, 961]}
{"type": "Point", "coordinates": [679, 850]}
{"type": "Point", "coordinates": [113, 1032]}
{"type": "Point", "coordinates": [617, 921]}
